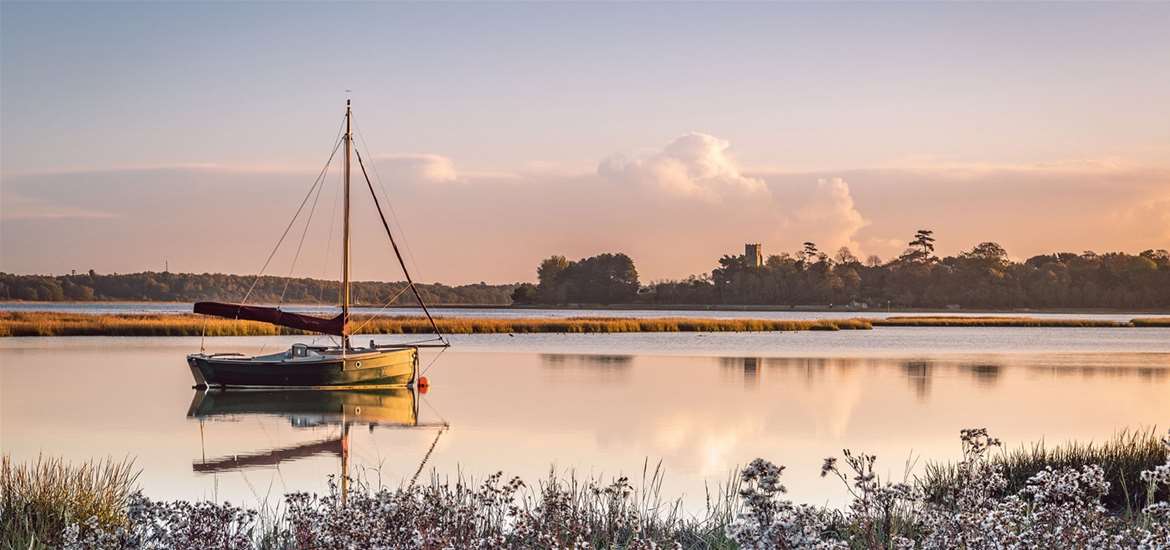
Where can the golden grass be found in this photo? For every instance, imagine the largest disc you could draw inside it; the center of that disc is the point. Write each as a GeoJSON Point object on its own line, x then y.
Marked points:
{"type": "Point", "coordinates": [74, 324]}
{"type": "Point", "coordinates": [38, 499]}
{"type": "Point", "coordinates": [80, 324]}
{"type": "Point", "coordinates": [989, 321]}
{"type": "Point", "coordinates": [1151, 322]}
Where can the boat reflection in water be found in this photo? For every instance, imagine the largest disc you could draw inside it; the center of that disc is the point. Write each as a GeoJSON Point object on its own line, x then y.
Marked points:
{"type": "Point", "coordinates": [390, 408]}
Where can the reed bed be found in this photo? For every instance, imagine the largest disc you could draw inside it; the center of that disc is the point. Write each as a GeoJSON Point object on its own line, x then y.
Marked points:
{"type": "Point", "coordinates": [993, 321]}
{"type": "Point", "coordinates": [80, 324]}
{"type": "Point", "coordinates": [1151, 322]}
{"type": "Point", "coordinates": [39, 499]}
{"type": "Point", "coordinates": [75, 324]}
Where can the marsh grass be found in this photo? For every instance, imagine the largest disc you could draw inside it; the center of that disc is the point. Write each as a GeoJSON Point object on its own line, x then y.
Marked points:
{"type": "Point", "coordinates": [993, 321]}
{"type": "Point", "coordinates": [79, 324]}
{"type": "Point", "coordinates": [1151, 322]}
{"type": "Point", "coordinates": [1123, 458]}
{"type": "Point", "coordinates": [39, 498]}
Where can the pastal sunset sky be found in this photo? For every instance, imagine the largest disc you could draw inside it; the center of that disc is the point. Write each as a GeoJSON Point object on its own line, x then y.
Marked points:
{"type": "Point", "coordinates": [136, 135]}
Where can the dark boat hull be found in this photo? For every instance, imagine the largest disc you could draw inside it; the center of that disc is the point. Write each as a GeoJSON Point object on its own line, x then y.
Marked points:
{"type": "Point", "coordinates": [392, 368]}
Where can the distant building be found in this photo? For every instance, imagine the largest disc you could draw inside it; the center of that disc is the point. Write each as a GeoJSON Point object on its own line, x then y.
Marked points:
{"type": "Point", "coordinates": [753, 254]}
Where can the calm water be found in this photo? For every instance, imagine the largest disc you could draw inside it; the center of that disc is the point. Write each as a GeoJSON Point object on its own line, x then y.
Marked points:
{"type": "Point", "coordinates": [599, 404]}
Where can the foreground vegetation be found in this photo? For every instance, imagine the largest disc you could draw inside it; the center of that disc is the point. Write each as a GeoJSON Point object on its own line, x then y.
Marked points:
{"type": "Point", "coordinates": [38, 500]}
{"type": "Point", "coordinates": [1025, 499]}
{"type": "Point", "coordinates": [195, 287]}
{"type": "Point", "coordinates": [1122, 460]}
{"type": "Point", "coordinates": [981, 278]}
{"type": "Point", "coordinates": [81, 324]}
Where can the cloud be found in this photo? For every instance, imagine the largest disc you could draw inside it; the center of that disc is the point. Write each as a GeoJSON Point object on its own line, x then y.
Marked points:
{"type": "Point", "coordinates": [19, 207]}
{"type": "Point", "coordinates": [417, 169]}
{"type": "Point", "coordinates": [694, 166]}
{"type": "Point", "coordinates": [830, 217]}
{"type": "Point", "coordinates": [500, 225]}
{"type": "Point", "coordinates": [1028, 209]}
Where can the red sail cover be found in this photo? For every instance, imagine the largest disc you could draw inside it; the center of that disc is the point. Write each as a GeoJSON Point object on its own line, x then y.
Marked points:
{"type": "Point", "coordinates": [272, 315]}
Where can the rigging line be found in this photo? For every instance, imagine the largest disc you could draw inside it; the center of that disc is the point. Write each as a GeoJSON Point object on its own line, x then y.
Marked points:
{"type": "Point", "coordinates": [426, 457]}
{"type": "Point", "coordinates": [290, 223]}
{"type": "Point", "coordinates": [301, 244]}
{"type": "Point", "coordinates": [328, 245]}
{"type": "Point", "coordinates": [426, 402]}
{"type": "Point", "coordinates": [419, 342]}
{"type": "Point", "coordinates": [203, 335]}
{"type": "Point", "coordinates": [397, 253]}
{"type": "Point", "coordinates": [386, 196]}
{"type": "Point", "coordinates": [382, 309]}
{"type": "Point", "coordinates": [432, 362]}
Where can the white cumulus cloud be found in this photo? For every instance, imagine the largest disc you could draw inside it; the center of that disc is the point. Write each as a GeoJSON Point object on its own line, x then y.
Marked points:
{"type": "Point", "coordinates": [694, 165]}
{"type": "Point", "coordinates": [830, 216]}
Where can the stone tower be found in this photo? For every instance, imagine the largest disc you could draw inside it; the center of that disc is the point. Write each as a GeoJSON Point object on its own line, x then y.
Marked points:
{"type": "Point", "coordinates": [753, 255]}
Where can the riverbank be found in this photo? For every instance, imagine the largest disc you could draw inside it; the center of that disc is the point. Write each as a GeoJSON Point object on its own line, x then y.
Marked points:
{"type": "Point", "coordinates": [80, 324]}
{"type": "Point", "coordinates": [73, 324]}
{"type": "Point", "coordinates": [174, 307]}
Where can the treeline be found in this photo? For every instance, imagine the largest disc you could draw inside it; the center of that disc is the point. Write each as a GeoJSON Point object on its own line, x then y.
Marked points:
{"type": "Point", "coordinates": [601, 279]}
{"type": "Point", "coordinates": [193, 287]}
{"type": "Point", "coordinates": [982, 277]}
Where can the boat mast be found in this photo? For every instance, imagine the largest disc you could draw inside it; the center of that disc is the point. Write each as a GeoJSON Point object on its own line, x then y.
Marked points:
{"type": "Point", "coordinates": [345, 239]}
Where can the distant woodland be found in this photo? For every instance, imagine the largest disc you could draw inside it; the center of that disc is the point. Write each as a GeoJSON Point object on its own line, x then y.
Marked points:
{"type": "Point", "coordinates": [983, 277]}
{"type": "Point", "coordinates": [191, 287]}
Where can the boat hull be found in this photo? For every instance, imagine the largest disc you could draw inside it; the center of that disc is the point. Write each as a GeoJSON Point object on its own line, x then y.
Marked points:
{"type": "Point", "coordinates": [378, 406]}
{"type": "Point", "coordinates": [389, 368]}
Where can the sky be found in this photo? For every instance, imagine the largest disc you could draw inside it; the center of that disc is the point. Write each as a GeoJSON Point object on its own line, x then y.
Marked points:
{"type": "Point", "coordinates": [137, 136]}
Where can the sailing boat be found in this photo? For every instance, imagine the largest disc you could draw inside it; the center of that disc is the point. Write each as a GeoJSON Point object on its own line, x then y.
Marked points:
{"type": "Point", "coordinates": [308, 366]}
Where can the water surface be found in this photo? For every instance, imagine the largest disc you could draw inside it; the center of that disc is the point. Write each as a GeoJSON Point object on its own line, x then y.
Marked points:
{"type": "Point", "coordinates": [601, 404]}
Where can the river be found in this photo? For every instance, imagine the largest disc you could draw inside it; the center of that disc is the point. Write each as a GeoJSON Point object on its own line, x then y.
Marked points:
{"type": "Point", "coordinates": [597, 404]}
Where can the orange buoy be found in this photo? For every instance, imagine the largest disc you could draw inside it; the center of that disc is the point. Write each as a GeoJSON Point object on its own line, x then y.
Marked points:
{"type": "Point", "coordinates": [423, 384]}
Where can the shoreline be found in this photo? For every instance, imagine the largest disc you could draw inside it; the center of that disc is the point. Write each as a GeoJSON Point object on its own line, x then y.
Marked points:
{"type": "Point", "coordinates": [17, 324]}
{"type": "Point", "coordinates": [650, 307]}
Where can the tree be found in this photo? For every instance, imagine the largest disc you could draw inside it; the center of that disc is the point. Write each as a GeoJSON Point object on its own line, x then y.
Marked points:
{"type": "Point", "coordinates": [808, 252]}
{"type": "Point", "coordinates": [550, 269]}
{"type": "Point", "coordinates": [601, 279]}
{"type": "Point", "coordinates": [988, 254]}
{"type": "Point", "coordinates": [551, 288]}
{"type": "Point", "coordinates": [845, 256]}
{"type": "Point", "coordinates": [525, 293]}
{"type": "Point", "coordinates": [1160, 257]}
{"type": "Point", "coordinates": [923, 245]}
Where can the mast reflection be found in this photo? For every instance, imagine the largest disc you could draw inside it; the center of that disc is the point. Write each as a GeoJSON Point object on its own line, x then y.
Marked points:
{"type": "Point", "coordinates": [391, 408]}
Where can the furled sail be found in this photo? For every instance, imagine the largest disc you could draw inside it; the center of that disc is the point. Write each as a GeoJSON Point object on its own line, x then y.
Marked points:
{"type": "Point", "coordinates": [334, 326]}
